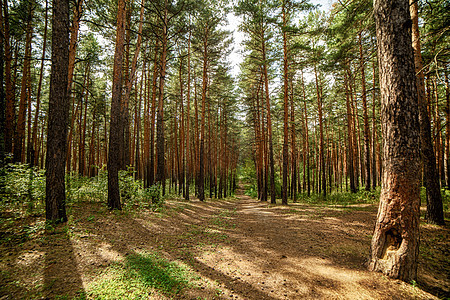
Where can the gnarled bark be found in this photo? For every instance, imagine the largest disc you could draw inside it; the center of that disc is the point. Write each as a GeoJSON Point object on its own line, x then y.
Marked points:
{"type": "Point", "coordinates": [395, 243]}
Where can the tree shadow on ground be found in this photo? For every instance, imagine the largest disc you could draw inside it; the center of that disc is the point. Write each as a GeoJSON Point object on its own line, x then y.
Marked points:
{"type": "Point", "coordinates": [61, 275]}
{"type": "Point", "coordinates": [251, 250]}
{"type": "Point", "coordinates": [126, 238]}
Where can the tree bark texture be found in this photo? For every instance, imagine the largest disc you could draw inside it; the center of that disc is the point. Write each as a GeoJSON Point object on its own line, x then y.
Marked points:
{"type": "Point", "coordinates": [395, 243]}
{"type": "Point", "coordinates": [115, 124]}
{"type": "Point", "coordinates": [58, 115]}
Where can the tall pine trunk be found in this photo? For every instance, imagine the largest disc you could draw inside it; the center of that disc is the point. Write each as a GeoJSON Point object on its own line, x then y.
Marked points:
{"type": "Point", "coordinates": [395, 243]}
{"type": "Point", "coordinates": [365, 117]}
{"type": "Point", "coordinates": [284, 193]}
{"type": "Point", "coordinates": [188, 120]}
{"type": "Point", "coordinates": [19, 137]}
{"type": "Point", "coordinates": [201, 179]}
{"type": "Point", "coordinates": [34, 139]}
{"type": "Point", "coordinates": [115, 124]}
{"type": "Point", "coordinates": [269, 123]}
{"type": "Point", "coordinates": [435, 213]}
{"type": "Point", "coordinates": [9, 89]}
{"type": "Point", "coordinates": [160, 169]}
{"type": "Point", "coordinates": [55, 209]}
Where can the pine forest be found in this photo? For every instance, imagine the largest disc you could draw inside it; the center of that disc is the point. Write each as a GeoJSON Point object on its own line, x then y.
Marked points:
{"type": "Point", "coordinates": [244, 149]}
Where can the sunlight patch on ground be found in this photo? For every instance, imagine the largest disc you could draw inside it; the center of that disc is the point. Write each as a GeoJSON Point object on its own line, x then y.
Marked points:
{"type": "Point", "coordinates": [29, 257]}
{"type": "Point", "coordinates": [105, 252]}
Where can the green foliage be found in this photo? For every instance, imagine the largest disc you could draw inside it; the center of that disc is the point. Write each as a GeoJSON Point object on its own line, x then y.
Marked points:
{"type": "Point", "coordinates": [134, 195]}
{"type": "Point", "coordinates": [24, 189]}
{"type": "Point", "coordinates": [344, 198]}
{"type": "Point", "coordinates": [138, 275]}
{"type": "Point", "coordinates": [80, 188]}
{"type": "Point", "coordinates": [251, 190]}
{"type": "Point", "coordinates": [446, 199]}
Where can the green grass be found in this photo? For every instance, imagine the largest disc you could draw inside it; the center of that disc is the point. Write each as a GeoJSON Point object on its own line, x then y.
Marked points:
{"type": "Point", "coordinates": [222, 219]}
{"type": "Point", "coordinates": [141, 275]}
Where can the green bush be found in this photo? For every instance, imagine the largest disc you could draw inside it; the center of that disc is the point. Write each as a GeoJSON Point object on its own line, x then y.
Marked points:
{"type": "Point", "coordinates": [79, 188]}
{"type": "Point", "coordinates": [24, 188]}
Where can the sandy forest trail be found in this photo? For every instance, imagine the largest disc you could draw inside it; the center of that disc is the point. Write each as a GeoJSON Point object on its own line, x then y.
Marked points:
{"type": "Point", "coordinates": [238, 249]}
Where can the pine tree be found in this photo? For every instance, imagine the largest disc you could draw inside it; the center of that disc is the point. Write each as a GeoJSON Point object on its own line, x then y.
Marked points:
{"type": "Point", "coordinates": [395, 243]}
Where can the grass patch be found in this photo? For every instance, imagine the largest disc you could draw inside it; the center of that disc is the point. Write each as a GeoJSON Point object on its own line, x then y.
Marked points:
{"type": "Point", "coordinates": [222, 220]}
{"type": "Point", "coordinates": [141, 275]}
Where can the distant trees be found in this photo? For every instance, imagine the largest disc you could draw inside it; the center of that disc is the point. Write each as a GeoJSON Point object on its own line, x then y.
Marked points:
{"type": "Point", "coordinates": [308, 88]}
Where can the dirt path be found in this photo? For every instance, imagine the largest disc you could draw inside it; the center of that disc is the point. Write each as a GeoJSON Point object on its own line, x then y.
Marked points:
{"type": "Point", "coordinates": [240, 249]}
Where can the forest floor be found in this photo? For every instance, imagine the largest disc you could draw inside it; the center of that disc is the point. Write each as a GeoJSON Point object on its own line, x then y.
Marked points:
{"type": "Point", "coordinates": [236, 248]}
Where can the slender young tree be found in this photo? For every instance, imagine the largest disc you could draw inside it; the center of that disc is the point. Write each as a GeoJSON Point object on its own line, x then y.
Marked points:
{"type": "Point", "coordinates": [9, 89]}
{"type": "Point", "coordinates": [19, 137]}
{"type": "Point", "coordinates": [435, 213]}
{"type": "Point", "coordinates": [160, 167]}
{"type": "Point", "coordinates": [2, 98]}
{"type": "Point", "coordinates": [34, 140]}
{"type": "Point", "coordinates": [395, 243]}
{"type": "Point", "coordinates": [58, 114]}
{"type": "Point", "coordinates": [284, 200]}
{"type": "Point", "coordinates": [365, 115]}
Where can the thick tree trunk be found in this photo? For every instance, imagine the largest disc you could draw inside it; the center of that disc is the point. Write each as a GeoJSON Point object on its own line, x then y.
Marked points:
{"type": "Point", "coordinates": [395, 243]}
{"type": "Point", "coordinates": [435, 213]}
{"type": "Point", "coordinates": [115, 126]}
{"type": "Point", "coordinates": [55, 209]}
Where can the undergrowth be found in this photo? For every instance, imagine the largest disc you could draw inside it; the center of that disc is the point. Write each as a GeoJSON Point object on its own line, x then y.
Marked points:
{"type": "Point", "coordinates": [334, 198]}
{"type": "Point", "coordinates": [140, 275]}
{"type": "Point", "coordinates": [342, 198]}
{"type": "Point", "coordinates": [23, 193]}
